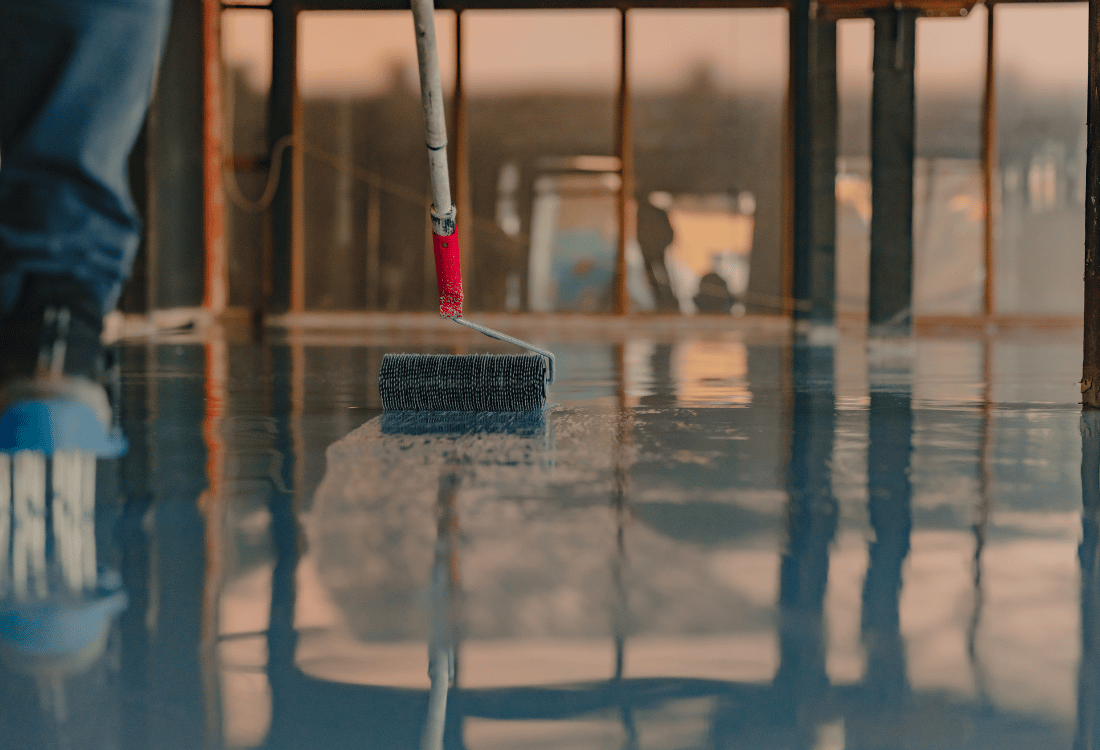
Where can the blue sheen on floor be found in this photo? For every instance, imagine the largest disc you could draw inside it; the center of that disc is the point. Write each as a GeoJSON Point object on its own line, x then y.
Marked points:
{"type": "Point", "coordinates": [710, 541]}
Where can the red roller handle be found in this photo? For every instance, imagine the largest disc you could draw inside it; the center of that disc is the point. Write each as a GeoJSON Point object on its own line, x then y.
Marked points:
{"type": "Point", "coordinates": [448, 275]}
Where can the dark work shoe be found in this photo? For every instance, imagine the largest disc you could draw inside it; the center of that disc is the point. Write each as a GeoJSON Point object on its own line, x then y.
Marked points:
{"type": "Point", "coordinates": [52, 330]}
{"type": "Point", "coordinates": [52, 370]}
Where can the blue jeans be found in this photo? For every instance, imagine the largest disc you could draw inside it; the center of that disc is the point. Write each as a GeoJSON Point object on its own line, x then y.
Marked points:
{"type": "Point", "coordinates": [76, 77]}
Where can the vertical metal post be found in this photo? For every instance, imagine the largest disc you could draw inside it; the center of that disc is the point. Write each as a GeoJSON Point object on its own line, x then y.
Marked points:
{"type": "Point", "coordinates": [989, 161]}
{"type": "Point", "coordinates": [216, 292]}
{"type": "Point", "coordinates": [814, 128]}
{"type": "Point", "coordinates": [787, 265]}
{"type": "Point", "coordinates": [892, 149]}
{"type": "Point", "coordinates": [1090, 376]}
{"type": "Point", "coordinates": [177, 164]}
{"type": "Point", "coordinates": [800, 146]}
{"type": "Point", "coordinates": [626, 170]}
{"type": "Point", "coordinates": [823, 146]}
{"type": "Point", "coordinates": [283, 123]}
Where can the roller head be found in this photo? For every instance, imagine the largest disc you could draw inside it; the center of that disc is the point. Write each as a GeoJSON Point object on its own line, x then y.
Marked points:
{"type": "Point", "coordinates": [473, 382]}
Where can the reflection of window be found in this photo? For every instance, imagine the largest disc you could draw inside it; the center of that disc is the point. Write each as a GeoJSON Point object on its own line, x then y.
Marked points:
{"type": "Point", "coordinates": [711, 372]}
{"type": "Point", "coordinates": [1043, 176]}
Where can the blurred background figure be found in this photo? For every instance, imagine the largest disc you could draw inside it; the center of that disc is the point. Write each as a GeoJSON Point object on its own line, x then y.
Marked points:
{"type": "Point", "coordinates": [714, 295]}
{"type": "Point", "coordinates": [655, 234]}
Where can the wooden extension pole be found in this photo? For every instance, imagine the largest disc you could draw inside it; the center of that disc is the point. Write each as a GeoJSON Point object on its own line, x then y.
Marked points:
{"type": "Point", "coordinates": [1090, 375]}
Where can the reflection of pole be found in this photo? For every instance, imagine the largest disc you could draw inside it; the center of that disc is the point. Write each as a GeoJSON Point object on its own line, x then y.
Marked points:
{"type": "Point", "coordinates": [442, 639]}
{"type": "Point", "coordinates": [622, 435]}
{"type": "Point", "coordinates": [212, 507]}
{"type": "Point", "coordinates": [282, 638]}
{"type": "Point", "coordinates": [135, 554]}
{"type": "Point", "coordinates": [989, 160]}
{"type": "Point", "coordinates": [985, 504]}
{"type": "Point", "coordinates": [1088, 673]}
{"type": "Point", "coordinates": [623, 432]}
{"type": "Point", "coordinates": [812, 513]}
{"type": "Point", "coordinates": [176, 581]}
{"type": "Point", "coordinates": [890, 433]}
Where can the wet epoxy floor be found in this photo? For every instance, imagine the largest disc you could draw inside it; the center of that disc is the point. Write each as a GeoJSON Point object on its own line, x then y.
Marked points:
{"type": "Point", "coordinates": [710, 541]}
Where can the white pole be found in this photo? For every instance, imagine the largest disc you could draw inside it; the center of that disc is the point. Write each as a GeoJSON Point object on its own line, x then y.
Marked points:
{"type": "Point", "coordinates": [435, 125]}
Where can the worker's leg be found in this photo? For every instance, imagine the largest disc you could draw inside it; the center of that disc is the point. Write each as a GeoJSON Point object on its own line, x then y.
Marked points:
{"type": "Point", "coordinates": [76, 77]}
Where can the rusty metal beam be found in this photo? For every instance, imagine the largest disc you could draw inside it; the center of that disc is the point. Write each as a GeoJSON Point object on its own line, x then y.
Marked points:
{"type": "Point", "coordinates": [1090, 375]}
{"type": "Point", "coordinates": [941, 8]}
{"type": "Point", "coordinates": [856, 7]}
{"type": "Point", "coordinates": [308, 5]}
{"type": "Point", "coordinates": [216, 292]}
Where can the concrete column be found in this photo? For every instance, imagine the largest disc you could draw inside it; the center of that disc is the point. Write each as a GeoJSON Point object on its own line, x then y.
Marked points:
{"type": "Point", "coordinates": [814, 150]}
{"type": "Point", "coordinates": [892, 149]}
{"type": "Point", "coordinates": [175, 221]}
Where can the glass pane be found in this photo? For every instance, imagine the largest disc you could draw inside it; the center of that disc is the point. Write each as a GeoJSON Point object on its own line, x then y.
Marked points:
{"type": "Point", "coordinates": [1042, 72]}
{"type": "Point", "coordinates": [948, 207]}
{"type": "Point", "coordinates": [246, 50]}
{"type": "Point", "coordinates": [708, 91]}
{"type": "Point", "coordinates": [853, 179]}
{"type": "Point", "coordinates": [367, 234]}
{"type": "Point", "coordinates": [543, 173]}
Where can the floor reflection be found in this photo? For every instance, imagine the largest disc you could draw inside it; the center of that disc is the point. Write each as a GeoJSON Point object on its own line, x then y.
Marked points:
{"type": "Point", "coordinates": [705, 544]}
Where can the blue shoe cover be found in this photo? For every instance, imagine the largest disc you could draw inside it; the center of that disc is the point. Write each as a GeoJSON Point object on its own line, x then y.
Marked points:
{"type": "Point", "coordinates": [59, 628]}
{"type": "Point", "coordinates": [53, 425]}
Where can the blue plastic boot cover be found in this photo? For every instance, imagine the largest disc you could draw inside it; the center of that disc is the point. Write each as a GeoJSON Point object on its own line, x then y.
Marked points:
{"type": "Point", "coordinates": [55, 628]}
{"type": "Point", "coordinates": [56, 425]}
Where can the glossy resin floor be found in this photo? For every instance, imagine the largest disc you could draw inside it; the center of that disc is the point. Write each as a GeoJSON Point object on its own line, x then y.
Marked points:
{"type": "Point", "coordinates": [711, 540]}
